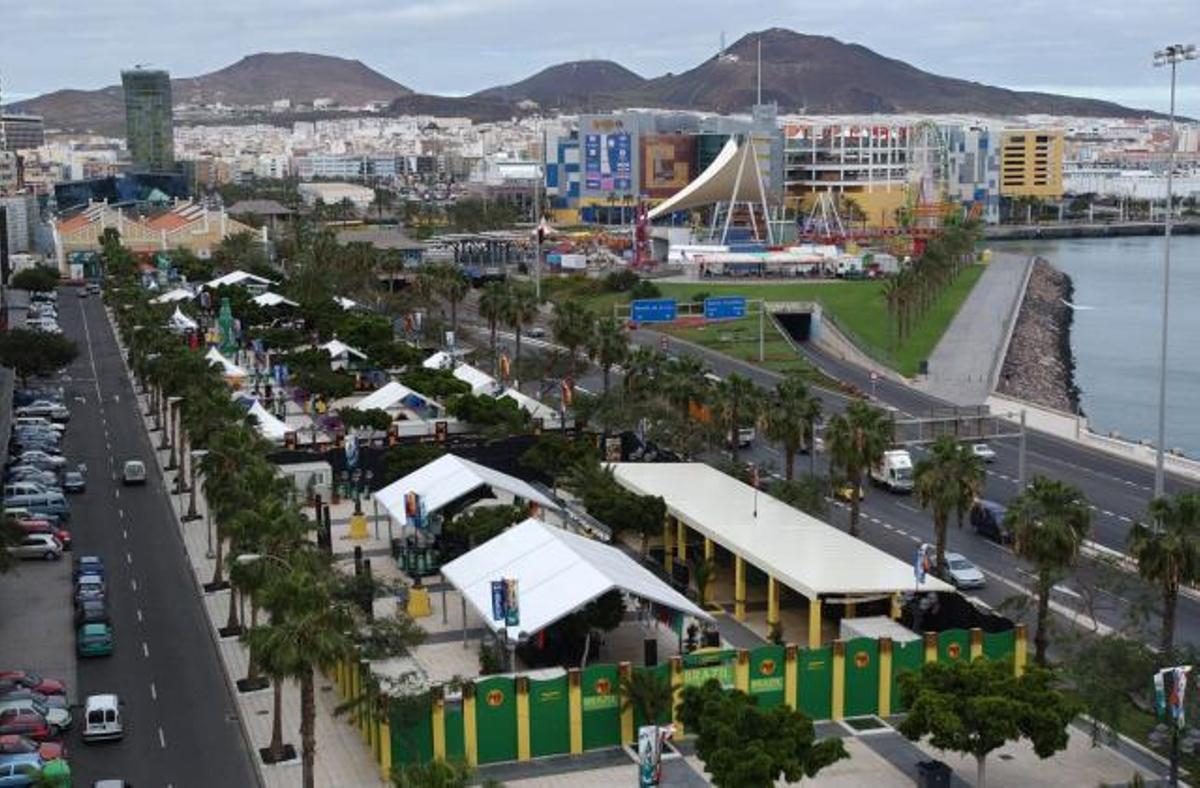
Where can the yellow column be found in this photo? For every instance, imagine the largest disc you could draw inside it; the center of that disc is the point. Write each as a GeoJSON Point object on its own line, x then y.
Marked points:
{"type": "Point", "coordinates": [976, 644]}
{"type": "Point", "coordinates": [885, 677]}
{"type": "Point", "coordinates": [709, 552]}
{"type": "Point", "coordinates": [624, 671]}
{"type": "Point", "coordinates": [470, 737]}
{"type": "Point", "coordinates": [385, 749]}
{"type": "Point", "coordinates": [681, 539]}
{"type": "Point", "coordinates": [772, 601]}
{"type": "Point", "coordinates": [791, 674]}
{"type": "Point", "coordinates": [709, 549]}
{"type": "Point", "coordinates": [668, 536]}
{"type": "Point", "coordinates": [575, 709]}
{"type": "Point", "coordinates": [895, 611]}
{"type": "Point", "coordinates": [339, 672]}
{"type": "Point", "coordinates": [839, 680]}
{"type": "Point", "coordinates": [352, 691]}
{"type": "Point", "coordinates": [739, 588]}
{"type": "Point", "coordinates": [1020, 648]}
{"type": "Point", "coordinates": [741, 671]}
{"type": "Point", "coordinates": [364, 715]}
{"type": "Point", "coordinates": [931, 644]}
{"type": "Point", "coordinates": [437, 721]}
{"type": "Point", "coordinates": [676, 667]}
{"type": "Point", "coordinates": [814, 622]}
{"type": "Point", "coordinates": [850, 611]}
{"type": "Point", "coordinates": [523, 748]}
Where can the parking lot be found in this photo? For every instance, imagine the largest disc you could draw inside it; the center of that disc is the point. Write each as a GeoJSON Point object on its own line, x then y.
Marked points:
{"type": "Point", "coordinates": [35, 606]}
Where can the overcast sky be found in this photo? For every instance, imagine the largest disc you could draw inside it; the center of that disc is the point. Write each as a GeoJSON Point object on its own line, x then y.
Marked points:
{"type": "Point", "coordinates": [1099, 48]}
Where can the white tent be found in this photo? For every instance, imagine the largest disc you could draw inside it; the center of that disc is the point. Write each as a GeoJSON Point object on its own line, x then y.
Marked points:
{"type": "Point", "coordinates": [732, 177]}
{"type": "Point", "coordinates": [238, 278]}
{"type": "Point", "coordinates": [181, 322]}
{"type": "Point", "coordinates": [345, 303]}
{"type": "Point", "coordinates": [171, 296]}
{"type": "Point", "coordinates": [272, 299]}
{"type": "Point", "coordinates": [557, 573]}
{"type": "Point", "coordinates": [268, 425]}
{"type": "Point", "coordinates": [535, 408]}
{"type": "Point", "coordinates": [449, 478]}
{"type": "Point", "coordinates": [340, 350]}
{"type": "Point", "coordinates": [228, 368]}
{"type": "Point", "coordinates": [388, 396]}
{"type": "Point", "coordinates": [479, 381]}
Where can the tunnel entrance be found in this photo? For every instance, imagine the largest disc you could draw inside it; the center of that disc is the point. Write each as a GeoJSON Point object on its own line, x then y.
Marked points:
{"type": "Point", "coordinates": [798, 325]}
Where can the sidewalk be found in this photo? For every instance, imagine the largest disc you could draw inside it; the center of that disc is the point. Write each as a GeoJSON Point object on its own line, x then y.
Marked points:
{"type": "Point", "coordinates": [342, 758]}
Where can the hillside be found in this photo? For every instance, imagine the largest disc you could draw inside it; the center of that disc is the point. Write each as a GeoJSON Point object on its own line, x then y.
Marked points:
{"type": "Point", "coordinates": [570, 85]}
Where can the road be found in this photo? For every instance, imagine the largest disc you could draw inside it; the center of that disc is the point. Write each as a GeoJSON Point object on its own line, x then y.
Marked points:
{"type": "Point", "coordinates": [181, 722]}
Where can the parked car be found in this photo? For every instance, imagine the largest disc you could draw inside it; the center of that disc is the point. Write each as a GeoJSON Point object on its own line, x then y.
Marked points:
{"type": "Point", "coordinates": [41, 459]}
{"type": "Point", "coordinates": [89, 578]}
{"type": "Point", "coordinates": [46, 527]}
{"type": "Point", "coordinates": [102, 718]}
{"type": "Point", "coordinates": [93, 288]}
{"type": "Point", "coordinates": [82, 292]}
{"type": "Point", "coordinates": [983, 452]}
{"type": "Point", "coordinates": [74, 482]}
{"type": "Point", "coordinates": [35, 681]}
{"type": "Point", "coordinates": [94, 640]}
{"type": "Point", "coordinates": [30, 473]}
{"type": "Point", "coordinates": [26, 723]}
{"type": "Point", "coordinates": [89, 587]}
{"type": "Point", "coordinates": [87, 565]}
{"type": "Point", "coordinates": [13, 489]}
{"type": "Point", "coordinates": [15, 771]}
{"type": "Point", "coordinates": [92, 611]}
{"type": "Point", "coordinates": [58, 718]}
{"type": "Point", "coordinates": [134, 472]}
{"type": "Point", "coordinates": [987, 518]}
{"type": "Point", "coordinates": [49, 409]}
{"type": "Point", "coordinates": [37, 546]}
{"type": "Point", "coordinates": [12, 744]}
{"type": "Point", "coordinates": [49, 503]}
{"type": "Point", "coordinates": [13, 692]}
{"type": "Point", "coordinates": [37, 422]}
{"type": "Point", "coordinates": [20, 513]}
{"type": "Point", "coordinates": [19, 445]}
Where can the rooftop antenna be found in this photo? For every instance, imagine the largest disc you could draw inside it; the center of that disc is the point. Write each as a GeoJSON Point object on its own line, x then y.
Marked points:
{"type": "Point", "coordinates": [722, 52]}
{"type": "Point", "coordinates": [760, 70]}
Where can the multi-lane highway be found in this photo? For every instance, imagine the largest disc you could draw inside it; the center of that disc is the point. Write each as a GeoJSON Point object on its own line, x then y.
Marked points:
{"type": "Point", "coordinates": [181, 722]}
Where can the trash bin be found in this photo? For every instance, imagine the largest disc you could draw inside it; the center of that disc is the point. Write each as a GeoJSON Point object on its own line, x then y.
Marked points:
{"type": "Point", "coordinates": [933, 774]}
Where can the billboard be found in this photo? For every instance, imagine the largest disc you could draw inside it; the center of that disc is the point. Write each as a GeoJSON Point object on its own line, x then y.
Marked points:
{"type": "Point", "coordinates": [608, 155]}
{"type": "Point", "coordinates": [652, 310]}
{"type": "Point", "coordinates": [667, 163]}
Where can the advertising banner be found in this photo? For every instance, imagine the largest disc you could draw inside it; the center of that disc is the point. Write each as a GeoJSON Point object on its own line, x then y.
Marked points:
{"type": "Point", "coordinates": [620, 162]}
{"type": "Point", "coordinates": [498, 593]}
{"type": "Point", "coordinates": [667, 162]}
{"type": "Point", "coordinates": [591, 161]}
{"type": "Point", "coordinates": [512, 609]}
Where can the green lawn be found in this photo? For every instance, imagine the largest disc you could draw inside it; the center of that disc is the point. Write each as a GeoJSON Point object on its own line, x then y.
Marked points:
{"type": "Point", "coordinates": [739, 339]}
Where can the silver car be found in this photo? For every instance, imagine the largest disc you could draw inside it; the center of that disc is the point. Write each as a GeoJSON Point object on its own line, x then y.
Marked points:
{"type": "Point", "coordinates": [963, 573]}
{"type": "Point", "coordinates": [37, 546]}
{"type": "Point", "coordinates": [56, 717]}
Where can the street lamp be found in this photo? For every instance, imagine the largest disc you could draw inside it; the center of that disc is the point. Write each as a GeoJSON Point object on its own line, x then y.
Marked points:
{"type": "Point", "coordinates": [252, 558]}
{"type": "Point", "coordinates": [172, 431]}
{"type": "Point", "coordinates": [196, 455]}
{"type": "Point", "coordinates": [1172, 56]}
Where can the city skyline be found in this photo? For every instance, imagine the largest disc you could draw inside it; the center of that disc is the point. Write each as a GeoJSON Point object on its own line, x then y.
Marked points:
{"type": "Point", "coordinates": [1104, 53]}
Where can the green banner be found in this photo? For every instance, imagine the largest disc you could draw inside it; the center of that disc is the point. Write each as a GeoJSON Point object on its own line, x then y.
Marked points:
{"type": "Point", "coordinates": [999, 645]}
{"type": "Point", "coordinates": [861, 673]}
{"type": "Point", "coordinates": [906, 657]}
{"type": "Point", "coordinates": [816, 682]}
{"type": "Point", "coordinates": [953, 645]}
{"type": "Point", "coordinates": [766, 675]}
{"type": "Point", "coordinates": [698, 668]}
{"type": "Point", "coordinates": [549, 717]}
{"type": "Point", "coordinates": [601, 707]}
{"type": "Point", "coordinates": [496, 719]}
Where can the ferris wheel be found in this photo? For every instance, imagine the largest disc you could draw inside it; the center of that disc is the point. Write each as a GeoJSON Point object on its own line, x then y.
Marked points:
{"type": "Point", "coordinates": [928, 166]}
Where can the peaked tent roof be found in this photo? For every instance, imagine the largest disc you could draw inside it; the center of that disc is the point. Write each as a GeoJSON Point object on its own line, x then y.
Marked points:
{"type": "Point", "coordinates": [237, 278]}
{"type": "Point", "coordinates": [449, 478]}
{"type": "Point", "coordinates": [387, 396]}
{"type": "Point", "coordinates": [272, 299]}
{"type": "Point", "coordinates": [345, 303]}
{"type": "Point", "coordinates": [557, 573]}
{"type": "Point", "coordinates": [337, 348]}
{"type": "Point", "coordinates": [229, 369]}
{"type": "Point", "coordinates": [171, 296]}
{"type": "Point", "coordinates": [180, 320]}
{"type": "Point", "coordinates": [268, 425]}
{"type": "Point", "coordinates": [716, 183]}
{"type": "Point", "coordinates": [477, 379]}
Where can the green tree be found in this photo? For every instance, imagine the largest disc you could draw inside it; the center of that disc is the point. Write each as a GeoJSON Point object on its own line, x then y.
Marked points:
{"type": "Point", "coordinates": [608, 347]}
{"type": "Point", "coordinates": [572, 325]}
{"type": "Point", "coordinates": [35, 353]}
{"type": "Point", "coordinates": [976, 707]}
{"type": "Point", "coordinates": [648, 693]}
{"type": "Point", "coordinates": [482, 523]}
{"type": "Point", "coordinates": [374, 418]}
{"type": "Point", "coordinates": [492, 308]}
{"type": "Point", "coordinates": [1167, 552]}
{"type": "Point", "coordinates": [948, 480]}
{"type": "Point", "coordinates": [807, 494]}
{"type": "Point", "coordinates": [856, 441]}
{"type": "Point", "coordinates": [1049, 521]}
{"type": "Point", "coordinates": [520, 310]}
{"type": "Point", "coordinates": [790, 415]}
{"type": "Point", "coordinates": [738, 403]}
{"type": "Point", "coordinates": [41, 278]}
{"type": "Point", "coordinates": [743, 746]}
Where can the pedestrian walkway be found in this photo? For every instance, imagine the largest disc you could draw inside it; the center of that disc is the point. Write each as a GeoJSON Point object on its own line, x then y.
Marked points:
{"type": "Point", "coordinates": [963, 366]}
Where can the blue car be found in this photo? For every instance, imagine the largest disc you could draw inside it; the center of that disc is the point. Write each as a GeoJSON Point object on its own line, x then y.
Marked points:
{"type": "Point", "coordinates": [15, 769]}
{"type": "Point", "coordinates": [88, 565]}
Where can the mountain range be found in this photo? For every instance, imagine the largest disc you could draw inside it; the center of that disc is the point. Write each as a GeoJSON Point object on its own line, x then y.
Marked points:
{"type": "Point", "coordinates": [801, 73]}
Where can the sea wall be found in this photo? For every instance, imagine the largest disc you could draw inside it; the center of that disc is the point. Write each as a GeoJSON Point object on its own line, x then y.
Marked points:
{"type": "Point", "coordinates": [1040, 366]}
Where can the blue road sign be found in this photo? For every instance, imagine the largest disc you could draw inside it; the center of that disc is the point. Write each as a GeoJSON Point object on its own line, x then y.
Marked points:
{"type": "Point", "coordinates": [724, 307]}
{"type": "Point", "coordinates": [652, 310]}
{"type": "Point", "coordinates": [499, 592]}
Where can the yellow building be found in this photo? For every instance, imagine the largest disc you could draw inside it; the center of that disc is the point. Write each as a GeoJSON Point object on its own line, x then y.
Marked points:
{"type": "Point", "coordinates": [1031, 163]}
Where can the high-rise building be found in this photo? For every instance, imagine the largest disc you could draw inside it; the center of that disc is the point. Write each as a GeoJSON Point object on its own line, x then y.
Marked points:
{"type": "Point", "coordinates": [22, 132]}
{"type": "Point", "coordinates": [148, 119]}
{"type": "Point", "coordinates": [1031, 163]}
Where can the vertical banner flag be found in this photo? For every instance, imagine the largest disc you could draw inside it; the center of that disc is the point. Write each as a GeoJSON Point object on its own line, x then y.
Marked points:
{"type": "Point", "coordinates": [1170, 686]}
{"type": "Point", "coordinates": [512, 609]}
{"type": "Point", "coordinates": [498, 594]}
{"type": "Point", "coordinates": [921, 565]}
{"type": "Point", "coordinates": [414, 509]}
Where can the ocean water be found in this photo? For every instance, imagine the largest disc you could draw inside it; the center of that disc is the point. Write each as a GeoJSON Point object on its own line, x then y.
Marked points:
{"type": "Point", "coordinates": [1116, 333]}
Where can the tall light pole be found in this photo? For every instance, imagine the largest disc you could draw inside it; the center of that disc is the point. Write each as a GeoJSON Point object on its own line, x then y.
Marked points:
{"type": "Point", "coordinates": [1172, 56]}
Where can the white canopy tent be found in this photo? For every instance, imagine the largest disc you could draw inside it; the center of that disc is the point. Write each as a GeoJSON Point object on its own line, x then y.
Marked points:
{"type": "Point", "coordinates": [228, 368]}
{"type": "Point", "coordinates": [338, 349]}
{"type": "Point", "coordinates": [272, 299]}
{"type": "Point", "coordinates": [173, 296]}
{"type": "Point", "coordinates": [479, 381]}
{"type": "Point", "coordinates": [345, 303]}
{"type": "Point", "coordinates": [268, 425]}
{"type": "Point", "coordinates": [181, 322]}
{"type": "Point", "coordinates": [239, 278]}
{"type": "Point", "coordinates": [557, 573]}
{"type": "Point", "coordinates": [388, 396]}
{"type": "Point", "coordinates": [449, 478]}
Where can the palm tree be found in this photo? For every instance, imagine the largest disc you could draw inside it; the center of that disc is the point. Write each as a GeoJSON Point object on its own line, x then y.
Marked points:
{"type": "Point", "coordinates": [947, 481]}
{"type": "Point", "coordinates": [234, 473]}
{"type": "Point", "coordinates": [856, 441]}
{"type": "Point", "coordinates": [641, 369]}
{"type": "Point", "coordinates": [1168, 554]}
{"type": "Point", "coordinates": [739, 401]}
{"type": "Point", "coordinates": [492, 306]}
{"type": "Point", "coordinates": [607, 346]}
{"type": "Point", "coordinates": [684, 383]}
{"type": "Point", "coordinates": [573, 325]}
{"type": "Point", "coordinates": [520, 310]}
{"type": "Point", "coordinates": [1049, 521]}
{"type": "Point", "coordinates": [454, 286]}
{"type": "Point", "coordinates": [648, 693]}
{"type": "Point", "coordinates": [790, 417]}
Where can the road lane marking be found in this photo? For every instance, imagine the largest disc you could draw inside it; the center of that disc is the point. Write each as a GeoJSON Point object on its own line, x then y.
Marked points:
{"type": "Point", "coordinates": [128, 558]}
{"type": "Point", "coordinates": [1068, 591]}
{"type": "Point", "coordinates": [121, 513]}
{"type": "Point", "coordinates": [87, 332]}
{"type": "Point", "coordinates": [139, 615]}
{"type": "Point", "coordinates": [133, 583]}
{"type": "Point", "coordinates": [162, 740]}
{"type": "Point", "coordinates": [153, 691]}
{"type": "Point", "coordinates": [124, 534]}
{"type": "Point", "coordinates": [145, 650]}
{"type": "Point", "coordinates": [116, 493]}
{"type": "Point", "coordinates": [906, 507]}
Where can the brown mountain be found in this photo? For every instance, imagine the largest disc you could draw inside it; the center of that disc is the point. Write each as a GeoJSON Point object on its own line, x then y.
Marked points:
{"type": "Point", "coordinates": [571, 85]}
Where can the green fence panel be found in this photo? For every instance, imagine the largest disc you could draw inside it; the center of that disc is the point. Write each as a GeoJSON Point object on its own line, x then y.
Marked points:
{"type": "Point", "coordinates": [664, 674]}
{"type": "Point", "coordinates": [496, 719]}
{"type": "Point", "coordinates": [906, 657]}
{"type": "Point", "coordinates": [601, 707]}
{"type": "Point", "coordinates": [999, 645]}
{"type": "Point", "coordinates": [766, 675]}
{"type": "Point", "coordinates": [412, 743]}
{"type": "Point", "coordinates": [816, 682]}
{"type": "Point", "coordinates": [953, 645]}
{"type": "Point", "coordinates": [453, 723]}
{"type": "Point", "coordinates": [861, 673]}
{"type": "Point", "coordinates": [699, 668]}
{"type": "Point", "coordinates": [549, 717]}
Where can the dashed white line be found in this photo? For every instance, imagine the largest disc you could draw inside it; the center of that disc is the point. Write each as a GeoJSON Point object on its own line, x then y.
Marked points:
{"type": "Point", "coordinates": [128, 558]}
{"type": "Point", "coordinates": [889, 526]}
{"type": "Point", "coordinates": [153, 691]}
{"type": "Point", "coordinates": [124, 534]}
{"type": "Point", "coordinates": [139, 615]}
{"type": "Point", "coordinates": [915, 539]}
{"type": "Point", "coordinates": [116, 493]}
{"type": "Point", "coordinates": [133, 584]}
{"type": "Point", "coordinates": [906, 507]}
{"type": "Point", "coordinates": [162, 740]}
{"type": "Point", "coordinates": [1068, 591]}
{"type": "Point", "coordinates": [121, 513]}
{"type": "Point", "coordinates": [145, 650]}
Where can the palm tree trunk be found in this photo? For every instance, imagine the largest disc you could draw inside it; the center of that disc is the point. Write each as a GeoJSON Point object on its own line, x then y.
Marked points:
{"type": "Point", "coordinates": [232, 623]}
{"type": "Point", "coordinates": [252, 663]}
{"type": "Point", "coordinates": [517, 332]}
{"type": "Point", "coordinates": [606, 371]}
{"type": "Point", "coordinates": [939, 530]}
{"type": "Point", "coordinates": [854, 504]}
{"type": "Point", "coordinates": [1170, 599]}
{"type": "Point", "coordinates": [276, 745]}
{"type": "Point", "coordinates": [1041, 639]}
{"type": "Point", "coordinates": [220, 540]}
{"type": "Point", "coordinates": [789, 462]}
{"type": "Point", "coordinates": [980, 771]}
{"type": "Point", "coordinates": [454, 316]}
{"type": "Point", "coordinates": [308, 723]}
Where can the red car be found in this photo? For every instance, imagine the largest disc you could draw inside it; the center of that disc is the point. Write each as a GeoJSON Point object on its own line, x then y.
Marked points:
{"type": "Point", "coordinates": [33, 681]}
{"type": "Point", "coordinates": [44, 527]}
{"type": "Point", "coordinates": [26, 722]}
{"type": "Point", "coordinates": [12, 744]}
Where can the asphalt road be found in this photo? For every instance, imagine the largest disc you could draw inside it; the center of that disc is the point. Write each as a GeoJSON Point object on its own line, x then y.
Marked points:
{"type": "Point", "coordinates": [181, 722]}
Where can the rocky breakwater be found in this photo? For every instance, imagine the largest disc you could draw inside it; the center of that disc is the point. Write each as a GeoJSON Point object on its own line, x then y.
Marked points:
{"type": "Point", "coordinates": [1040, 367]}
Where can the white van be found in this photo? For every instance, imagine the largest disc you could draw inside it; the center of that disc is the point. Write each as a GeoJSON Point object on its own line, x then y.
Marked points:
{"type": "Point", "coordinates": [102, 718]}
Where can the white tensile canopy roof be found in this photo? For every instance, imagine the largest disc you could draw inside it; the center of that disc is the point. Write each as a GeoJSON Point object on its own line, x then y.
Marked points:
{"type": "Point", "coordinates": [268, 425]}
{"type": "Point", "coordinates": [449, 478]}
{"type": "Point", "coordinates": [477, 379]}
{"type": "Point", "coordinates": [804, 553]}
{"type": "Point", "coordinates": [717, 182]}
{"type": "Point", "coordinates": [181, 321]}
{"type": "Point", "coordinates": [535, 408]}
{"type": "Point", "coordinates": [171, 296]}
{"type": "Point", "coordinates": [387, 396]}
{"type": "Point", "coordinates": [338, 349]}
{"type": "Point", "coordinates": [557, 573]}
{"type": "Point", "coordinates": [272, 299]}
{"type": "Point", "coordinates": [237, 278]}
{"type": "Point", "coordinates": [229, 369]}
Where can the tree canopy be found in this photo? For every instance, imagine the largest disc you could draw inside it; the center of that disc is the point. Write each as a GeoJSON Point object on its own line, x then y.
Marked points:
{"type": "Point", "coordinates": [32, 353]}
{"type": "Point", "coordinates": [39, 278]}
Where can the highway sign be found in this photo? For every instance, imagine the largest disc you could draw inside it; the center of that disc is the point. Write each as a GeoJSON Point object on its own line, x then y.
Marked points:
{"type": "Point", "coordinates": [724, 307]}
{"type": "Point", "coordinates": [653, 310]}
